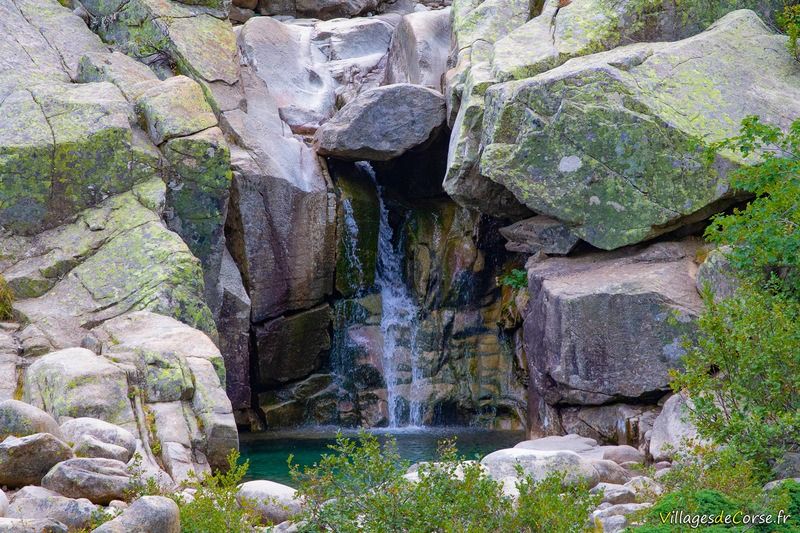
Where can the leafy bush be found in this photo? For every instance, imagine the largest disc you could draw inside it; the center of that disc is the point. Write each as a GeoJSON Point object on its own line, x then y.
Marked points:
{"type": "Point", "coordinates": [743, 369]}
{"type": "Point", "coordinates": [743, 374]}
{"type": "Point", "coordinates": [6, 300]}
{"type": "Point", "coordinates": [516, 279]}
{"type": "Point", "coordinates": [789, 21]}
{"type": "Point", "coordinates": [361, 487]}
{"type": "Point", "coordinates": [214, 506]}
{"type": "Point", "coordinates": [764, 236]}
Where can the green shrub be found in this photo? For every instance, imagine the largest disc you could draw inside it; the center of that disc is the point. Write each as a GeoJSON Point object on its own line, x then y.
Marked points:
{"type": "Point", "coordinates": [764, 236]}
{"type": "Point", "coordinates": [742, 370]}
{"type": "Point", "coordinates": [789, 21]}
{"type": "Point", "coordinates": [6, 300]}
{"type": "Point", "coordinates": [516, 279]}
{"type": "Point", "coordinates": [214, 507]}
{"type": "Point", "coordinates": [360, 487]}
{"type": "Point", "coordinates": [743, 374]}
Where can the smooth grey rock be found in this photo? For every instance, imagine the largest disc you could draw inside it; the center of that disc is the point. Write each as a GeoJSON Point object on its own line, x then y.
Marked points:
{"type": "Point", "coordinates": [419, 49]}
{"type": "Point", "coordinates": [103, 431]}
{"type": "Point", "coordinates": [383, 123]}
{"type": "Point", "coordinates": [3, 503]}
{"type": "Point", "coordinates": [39, 502]}
{"type": "Point", "coordinates": [26, 460]}
{"type": "Point", "coordinates": [21, 419]}
{"type": "Point", "coordinates": [539, 464]}
{"type": "Point", "coordinates": [671, 429]}
{"type": "Point", "coordinates": [98, 480]}
{"type": "Point", "coordinates": [148, 514]}
{"type": "Point", "coordinates": [274, 502]}
{"type": "Point", "coordinates": [89, 446]}
{"type": "Point", "coordinates": [645, 488]}
{"type": "Point", "coordinates": [600, 327]}
{"type": "Point", "coordinates": [25, 525]}
{"type": "Point", "coordinates": [623, 454]}
{"type": "Point", "coordinates": [614, 493]}
{"type": "Point", "coordinates": [131, 77]}
{"type": "Point", "coordinates": [540, 233]}
{"type": "Point", "coordinates": [234, 333]}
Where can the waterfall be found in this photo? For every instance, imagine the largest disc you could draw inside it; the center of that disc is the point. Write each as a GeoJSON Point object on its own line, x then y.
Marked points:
{"type": "Point", "coordinates": [399, 320]}
{"type": "Point", "coordinates": [351, 240]}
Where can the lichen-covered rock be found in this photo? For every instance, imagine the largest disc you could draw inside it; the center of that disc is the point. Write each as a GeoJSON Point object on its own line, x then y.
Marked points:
{"type": "Point", "coordinates": [199, 179]}
{"type": "Point", "coordinates": [131, 77]}
{"type": "Point", "coordinates": [64, 148]}
{"type": "Point", "coordinates": [75, 383]}
{"type": "Point", "coordinates": [148, 513]}
{"type": "Point", "coordinates": [38, 502]}
{"type": "Point", "coordinates": [576, 29]}
{"type": "Point", "coordinates": [275, 503]}
{"type": "Point", "coordinates": [476, 26]}
{"type": "Point", "coordinates": [175, 108]}
{"type": "Point", "coordinates": [174, 38]}
{"type": "Point", "coordinates": [607, 145]}
{"type": "Point", "coordinates": [602, 327]}
{"type": "Point", "coordinates": [383, 123]}
{"type": "Point", "coordinates": [26, 460]}
{"type": "Point", "coordinates": [89, 446]}
{"type": "Point", "coordinates": [717, 274]}
{"type": "Point", "coordinates": [419, 49]}
{"type": "Point", "coordinates": [98, 480]}
{"type": "Point", "coordinates": [119, 257]}
{"type": "Point", "coordinates": [21, 419]}
{"type": "Point", "coordinates": [178, 365]}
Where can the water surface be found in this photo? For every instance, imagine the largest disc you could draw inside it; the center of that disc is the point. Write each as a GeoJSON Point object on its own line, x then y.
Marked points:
{"type": "Point", "coordinates": [268, 451]}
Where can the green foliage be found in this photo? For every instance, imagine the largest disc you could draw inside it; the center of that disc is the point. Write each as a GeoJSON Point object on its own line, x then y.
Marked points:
{"type": "Point", "coordinates": [6, 300]}
{"type": "Point", "coordinates": [516, 279]}
{"type": "Point", "coordinates": [764, 235]}
{"type": "Point", "coordinates": [215, 507]}
{"type": "Point", "coordinates": [789, 21]}
{"type": "Point", "coordinates": [743, 369]}
{"type": "Point", "coordinates": [709, 480]}
{"type": "Point", "coordinates": [140, 485]}
{"type": "Point", "coordinates": [361, 487]}
{"type": "Point", "coordinates": [743, 373]}
{"type": "Point", "coordinates": [707, 466]}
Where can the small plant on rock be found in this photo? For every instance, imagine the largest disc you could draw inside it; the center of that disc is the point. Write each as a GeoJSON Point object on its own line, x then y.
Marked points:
{"type": "Point", "coordinates": [214, 506]}
{"type": "Point", "coordinates": [516, 279]}
{"type": "Point", "coordinates": [6, 300]}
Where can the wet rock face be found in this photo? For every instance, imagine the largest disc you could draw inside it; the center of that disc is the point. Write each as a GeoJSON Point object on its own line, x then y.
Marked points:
{"type": "Point", "coordinates": [605, 328]}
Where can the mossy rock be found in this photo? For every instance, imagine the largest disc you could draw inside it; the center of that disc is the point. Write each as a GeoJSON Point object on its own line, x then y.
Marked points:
{"type": "Point", "coordinates": [612, 144]}
{"type": "Point", "coordinates": [359, 220]}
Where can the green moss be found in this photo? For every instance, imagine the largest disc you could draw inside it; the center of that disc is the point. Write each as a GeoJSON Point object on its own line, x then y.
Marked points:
{"type": "Point", "coordinates": [6, 300]}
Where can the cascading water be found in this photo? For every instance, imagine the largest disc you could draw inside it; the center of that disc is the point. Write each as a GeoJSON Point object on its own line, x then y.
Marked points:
{"type": "Point", "coordinates": [399, 320]}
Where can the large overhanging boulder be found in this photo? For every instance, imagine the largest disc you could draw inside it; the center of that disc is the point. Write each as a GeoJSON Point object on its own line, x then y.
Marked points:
{"type": "Point", "coordinates": [612, 144]}
{"type": "Point", "coordinates": [383, 123]}
{"type": "Point", "coordinates": [601, 328]}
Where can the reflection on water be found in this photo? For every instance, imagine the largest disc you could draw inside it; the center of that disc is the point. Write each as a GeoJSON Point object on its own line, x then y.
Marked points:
{"type": "Point", "coordinates": [268, 451]}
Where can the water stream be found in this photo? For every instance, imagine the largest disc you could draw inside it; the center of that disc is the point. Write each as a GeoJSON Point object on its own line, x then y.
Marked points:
{"type": "Point", "coordinates": [399, 322]}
